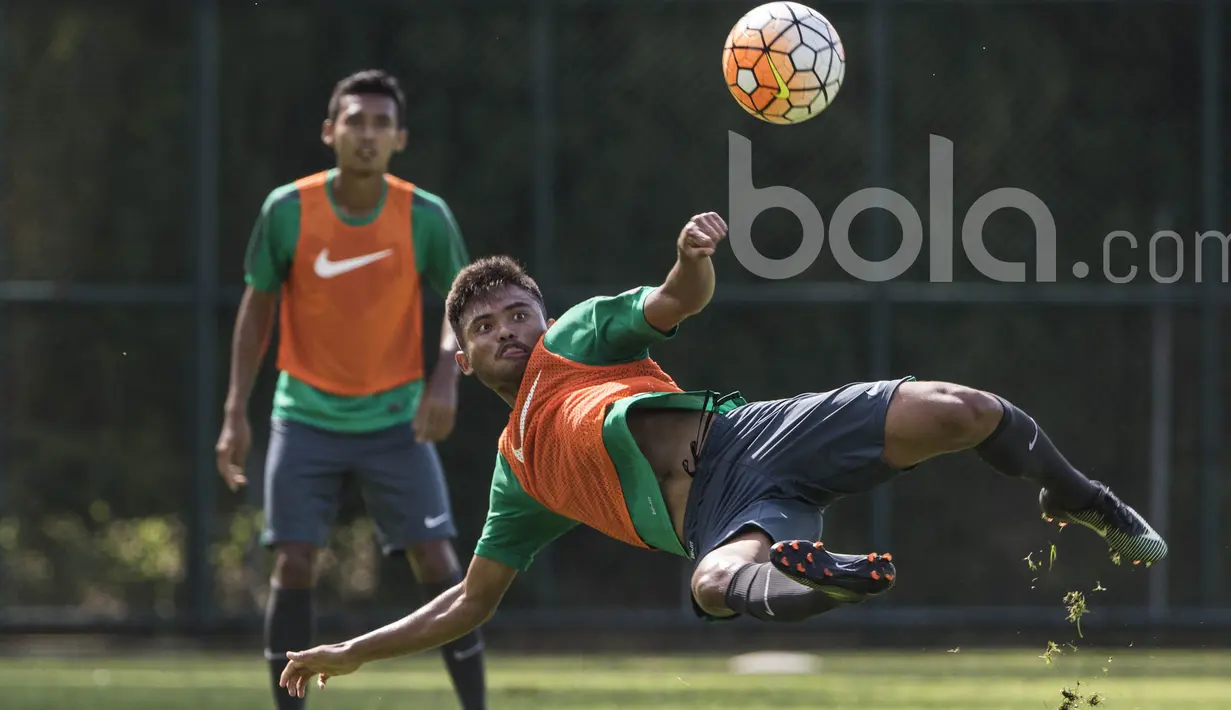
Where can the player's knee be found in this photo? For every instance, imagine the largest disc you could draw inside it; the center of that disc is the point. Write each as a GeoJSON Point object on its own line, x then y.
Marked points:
{"type": "Point", "coordinates": [433, 562]}
{"type": "Point", "coordinates": [709, 589]}
{"type": "Point", "coordinates": [293, 566]}
{"type": "Point", "coordinates": [963, 416]}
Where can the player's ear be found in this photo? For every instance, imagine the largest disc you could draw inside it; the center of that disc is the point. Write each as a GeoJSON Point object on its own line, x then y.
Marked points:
{"type": "Point", "coordinates": [327, 132]}
{"type": "Point", "coordinates": [402, 138]}
{"type": "Point", "coordinates": [463, 363]}
{"type": "Point", "coordinates": [550, 321]}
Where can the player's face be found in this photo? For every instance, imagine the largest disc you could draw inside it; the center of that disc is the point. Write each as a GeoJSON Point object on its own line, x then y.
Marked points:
{"type": "Point", "coordinates": [499, 332]}
{"type": "Point", "coordinates": [365, 134]}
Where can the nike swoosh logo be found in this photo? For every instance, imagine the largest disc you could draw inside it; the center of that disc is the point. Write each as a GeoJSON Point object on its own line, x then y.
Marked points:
{"type": "Point", "coordinates": [436, 521]}
{"type": "Point", "coordinates": [783, 92]}
{"type": "Point", "coordinates": [1036, 436]}
{"type": "Point", "coordinates": [327, 269]}
{"type": "Point", "coordinates": [765, 595]}
{"type": "Point", "coordinates": [521, 432]}
{"type": "Point", "coordinates": [467, 653]}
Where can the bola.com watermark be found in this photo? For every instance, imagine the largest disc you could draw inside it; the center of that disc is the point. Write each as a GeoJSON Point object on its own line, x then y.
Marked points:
{"type": "Point", "coordinates": [1166, 249]}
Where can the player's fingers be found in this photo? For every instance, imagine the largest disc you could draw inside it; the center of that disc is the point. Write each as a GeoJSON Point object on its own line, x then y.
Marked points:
{"type": "Point", "coordinates": [715, 227]}
{"type": "Point", "coordinates": [288, 675]}
{"type": "Point", "coordinates": [423, 422]}
{"type": "Point", "coordinates": [440, 426]}
{"type": "Point", "coordinates": [425, 417]}
{"type": "Point", "coordinates": [233, 474]}
{"type": "Point", "coordinates": [235, 457]}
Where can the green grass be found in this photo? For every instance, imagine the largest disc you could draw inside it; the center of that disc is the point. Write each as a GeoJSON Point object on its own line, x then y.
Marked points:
{"type": "Point", "coordinates": [971, 679]}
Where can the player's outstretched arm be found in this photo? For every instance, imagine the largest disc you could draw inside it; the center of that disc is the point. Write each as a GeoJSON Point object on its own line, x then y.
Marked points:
{"type": "Point", "coordinates": [690, 285]}
{"type": "Point", "coordinates": [453, 614]}
{"type": "Point", "coordinates": [253, 326]}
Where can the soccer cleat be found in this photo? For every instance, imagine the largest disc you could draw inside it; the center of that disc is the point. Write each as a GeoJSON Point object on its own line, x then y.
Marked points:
{"type": "Point", "coordinates": [1126, 532]}
{"type": "Point", "coordinates": [850, 579]}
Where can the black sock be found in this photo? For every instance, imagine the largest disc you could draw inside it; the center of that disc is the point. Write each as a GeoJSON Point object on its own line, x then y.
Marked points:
{"type": "Point", "coordinates": [764, 593]}
{"type": "Point", "coordinates": [1020, 448]}
{"type": "Point", "coordinates": [288, 627]}
{"type": "Point", "coordinates": [464, 659]}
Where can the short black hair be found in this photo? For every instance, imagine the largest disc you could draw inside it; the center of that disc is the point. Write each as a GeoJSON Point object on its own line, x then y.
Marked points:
{"type": "Point", "coordinates": [369, 81]}
{"type": "Point", "coordinates": [481, 278]}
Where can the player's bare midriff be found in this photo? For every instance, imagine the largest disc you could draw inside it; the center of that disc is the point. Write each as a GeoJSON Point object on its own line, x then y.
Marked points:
{"type": "Point", "coordinates": [665, 437]}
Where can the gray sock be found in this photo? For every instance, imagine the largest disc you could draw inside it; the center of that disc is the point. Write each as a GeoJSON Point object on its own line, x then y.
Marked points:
{"type": "Point", "coordinates": [763, 592]}
{"type": "Point", "coordinates": [1019, 448]}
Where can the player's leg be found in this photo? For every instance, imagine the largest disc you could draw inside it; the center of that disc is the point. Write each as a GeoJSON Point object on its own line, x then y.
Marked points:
{"type": "Point", "coordinates": [303, 479]}
{"type": "Point", "coordinates": [799, 454]}
{"type": "Point", "coordinates": [928, 419]}
{"type": "Point", "coordinates": [790, 580]}
{"type": "Point", "coordinates": [757, 544]}
{"type": "Point", "coordinates": [404, 488]}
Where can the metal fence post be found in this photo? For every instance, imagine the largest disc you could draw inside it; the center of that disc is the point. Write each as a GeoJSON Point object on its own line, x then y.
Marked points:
{"type": "Point", "coordinates": [880, 328]}
{"type": "Point", "coordinates": [544, 208]}
{"type": "Point", "coordinates": [5, 395]}
{"type": "Point", "coordinates": [202, 492]}
{"type": "Point", "coordinates": [1162, 373]}
{"type": "Point", "coordinates": [1213, 547]}
{"type": "Point", "coordinates": [544, 141]}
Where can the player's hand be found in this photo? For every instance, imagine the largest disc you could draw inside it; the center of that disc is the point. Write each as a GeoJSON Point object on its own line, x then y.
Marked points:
{"type": "Point", "coordinates": [700, 237]}
{"type": "Point", "coordinates": [232, 450]}
{"type": "Point", "coordinates": [437, 407]}
{"type": "Point", "coordinates": [324, 661]}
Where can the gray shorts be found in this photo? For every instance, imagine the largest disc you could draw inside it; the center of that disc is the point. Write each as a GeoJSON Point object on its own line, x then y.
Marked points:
{"type": "Point", "coordinates": [401, 480]}
{"type": "Point", "coordinates": [776, 465]}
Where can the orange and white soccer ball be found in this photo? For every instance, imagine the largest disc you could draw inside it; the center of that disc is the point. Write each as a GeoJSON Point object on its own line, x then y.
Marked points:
{"type": "Point", "coordinates": [784, 62]}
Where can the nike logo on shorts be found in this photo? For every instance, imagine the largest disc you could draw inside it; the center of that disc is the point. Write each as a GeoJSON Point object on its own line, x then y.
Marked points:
{"type": "Point", "coordinates": [436, 521]}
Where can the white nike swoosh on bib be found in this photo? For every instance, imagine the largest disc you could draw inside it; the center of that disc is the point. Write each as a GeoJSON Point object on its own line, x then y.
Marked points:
{"type": "Point", "coordinates": [521, 435]}
{"type": "Point", "coordinates": [327, 269]}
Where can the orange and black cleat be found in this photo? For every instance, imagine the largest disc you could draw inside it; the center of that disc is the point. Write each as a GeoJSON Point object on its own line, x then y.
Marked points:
{"type": "Point", "coordinates": [850, 579]}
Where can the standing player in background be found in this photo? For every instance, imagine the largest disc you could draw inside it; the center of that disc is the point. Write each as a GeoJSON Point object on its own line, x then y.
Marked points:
{"type": "Point", "coordinates": [349, 249]}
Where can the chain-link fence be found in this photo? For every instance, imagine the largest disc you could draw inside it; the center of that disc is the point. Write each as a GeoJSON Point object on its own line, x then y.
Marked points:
{"type": "Point", "coordinates": [578, 136]}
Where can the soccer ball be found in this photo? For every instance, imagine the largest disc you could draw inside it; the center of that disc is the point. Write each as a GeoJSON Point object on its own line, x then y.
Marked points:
{"type": "Point", "coordinates": [784, 62]}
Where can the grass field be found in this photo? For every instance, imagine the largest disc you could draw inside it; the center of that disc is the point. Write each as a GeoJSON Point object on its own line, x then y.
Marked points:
{"type": "Point", "coordinates": [970, 679]}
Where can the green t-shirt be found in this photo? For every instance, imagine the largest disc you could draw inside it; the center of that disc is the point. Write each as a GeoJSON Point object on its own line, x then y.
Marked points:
{"type": "Point", "coordinates": [440, 253]}
{"type": "Point", "coordinates": [604, 330]}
